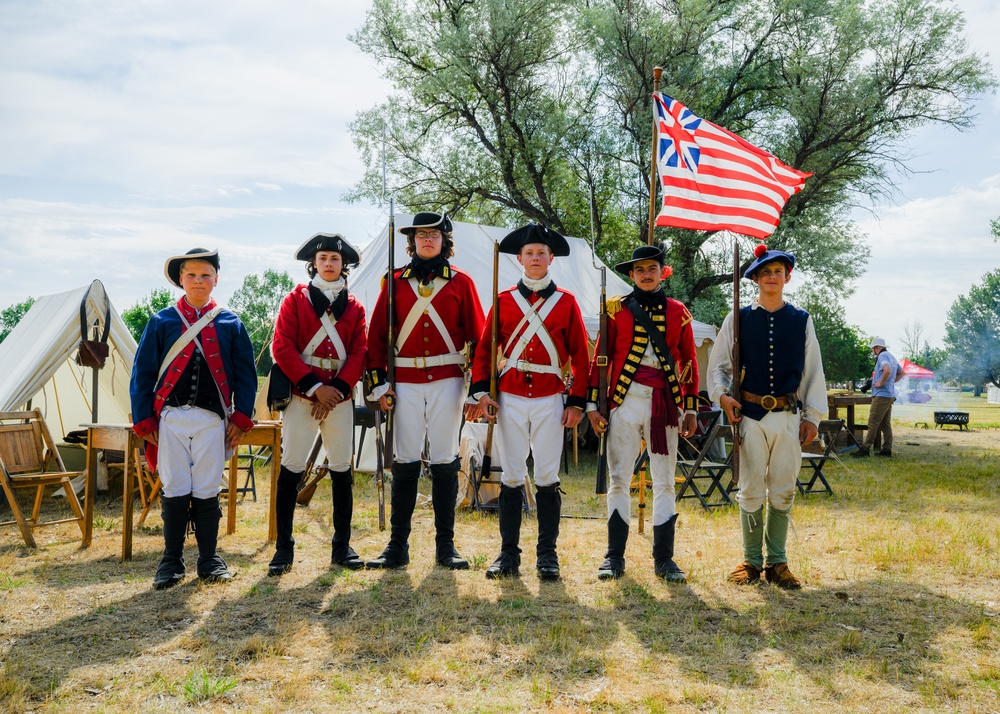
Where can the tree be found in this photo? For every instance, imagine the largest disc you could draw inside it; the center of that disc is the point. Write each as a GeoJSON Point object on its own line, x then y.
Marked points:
{"type": "Point", "coordinates": [9, 317]}
{"type": "Point", "coordinates": [912, 343]}
{"type": "Point", "coordinates": [846, 356]}
{"type": "Point", "coordinates": [257, 302]}
{"type": "Point", "coordinates": [972, 334]}
{"type": "Point", "coordinates": [137, 317]}
{"type": "Point", "coordinates": [506, 110]}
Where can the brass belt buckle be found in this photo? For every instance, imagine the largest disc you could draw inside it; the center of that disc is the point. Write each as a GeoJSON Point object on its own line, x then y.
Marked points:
{"type": "Point", "coordinates": [420, 362]}
{"type": "Point", "coordinates": [769, 405]}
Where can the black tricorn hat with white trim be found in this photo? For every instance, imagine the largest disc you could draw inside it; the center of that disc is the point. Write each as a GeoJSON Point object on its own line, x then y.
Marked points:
{"type": "Point", "coordinates": [172, 268]}
{"type": "Point", "coordinates": [534, 233]}
{"type": "Point", "coordinates": [333, 242]}
{"type": "Point", "coordinates": [428, 219]}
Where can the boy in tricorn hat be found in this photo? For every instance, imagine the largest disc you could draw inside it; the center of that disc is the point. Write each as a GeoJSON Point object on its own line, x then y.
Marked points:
{"type": "Point", "coordinates": [540, 329]}
{"type": "Point", "coordinates": [782, 402]}
{"type": "Point", "coordinates": [652, 394]}
{"type": "Point", "coordinates": [437, 312]}
{"type": "Point", "coordinates": [320, 345]}
{"type": "Point", "coordinates": [193, 386]}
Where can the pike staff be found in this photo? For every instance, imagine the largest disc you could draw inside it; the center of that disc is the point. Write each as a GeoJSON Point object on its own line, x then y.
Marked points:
{"type": "Point", "coordinates": [494, 337]}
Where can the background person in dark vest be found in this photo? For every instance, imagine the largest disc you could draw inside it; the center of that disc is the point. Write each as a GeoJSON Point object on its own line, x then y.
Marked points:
{"type": "Point", "coordinates": [437, 313]}
{"type": "Point", "coordinates": [648, 389]}
{"type": "Point", "coordinates": [320, 345]}
{"type": "Point", "coordinates": [782, 402]}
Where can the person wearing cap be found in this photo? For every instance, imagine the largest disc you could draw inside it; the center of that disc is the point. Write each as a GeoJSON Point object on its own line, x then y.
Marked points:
{"type": "Point", "coordinates": [192, 391]}
{"type": "Point", "coordinates": [887, 373]}
{"type": "Point", "coordinates": [540, 329]}
{"type": "Point", "coordinates": [320, 345]}
{"type": "Point", "coordinates": [436, 314]}
{"type": "Point", "coordinates": [652, 395]}
{"type": "Point", "coordinates": [778, 411]}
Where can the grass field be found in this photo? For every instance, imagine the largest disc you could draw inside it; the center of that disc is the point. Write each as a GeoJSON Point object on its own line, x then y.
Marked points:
{"type": "Point", "coordinates": [899, 610]}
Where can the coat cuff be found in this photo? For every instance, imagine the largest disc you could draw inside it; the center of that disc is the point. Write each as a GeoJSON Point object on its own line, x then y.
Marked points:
{"type": "Point", "coordinates": [578, 402]}
{"type": "Point", "coordinates": [483, 385]}
{"type": "Point", "coordinates": [242, 421]}
{"type": "Point", "coordinates": [375, 378]}
{"type": "Point", "coordinates": [308, 382]}
{"type": "Point", "coordinates": [146, 426]}
{"type": "Point", "coordinates": [342, 387]}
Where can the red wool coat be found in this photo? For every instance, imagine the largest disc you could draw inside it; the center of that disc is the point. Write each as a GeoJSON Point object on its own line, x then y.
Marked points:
{"type": "Point", "coordinates": [569, 335]}
{"type": "Point", "coordinates": [297, 323]}
{"type": "Point", "coordinates": [456, 302]}
{"type": "Point", "coordinates": [621, 336]}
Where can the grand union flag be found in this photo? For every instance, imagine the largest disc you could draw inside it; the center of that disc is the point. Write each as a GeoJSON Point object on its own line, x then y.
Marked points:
{"type": "Point", "coordinates": [713, 179]}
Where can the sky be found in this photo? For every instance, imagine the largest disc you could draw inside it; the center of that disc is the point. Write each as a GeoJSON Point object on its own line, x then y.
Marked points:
{"type": "Point", "coordinates": [134, 130]}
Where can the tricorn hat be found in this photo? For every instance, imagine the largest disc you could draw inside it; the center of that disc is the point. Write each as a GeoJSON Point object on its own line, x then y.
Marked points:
{"type": "Point", "coordinates": [643, 252]}
{"type": "Point", "coordinates": [333, 242]}
{"type": "Point", "coordinates": [763, 255]}
{"type": "Point", "coordinates": [534, 233]}
{"type": "Point", "coordinates": [172, 268]}
{"type": "Point", "coordinates": [427, 219]}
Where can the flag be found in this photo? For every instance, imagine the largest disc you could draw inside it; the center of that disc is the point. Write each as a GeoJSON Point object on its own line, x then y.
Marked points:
{"type": "Point", "coordinates": [713, 179]}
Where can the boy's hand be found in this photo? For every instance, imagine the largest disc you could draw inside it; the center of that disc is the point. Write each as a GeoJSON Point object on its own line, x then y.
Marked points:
{"type": "Point", "coordinates": [320, 411]}
{"type": "Point", "coordinates": [151, 437]}
{"type": "Point", "coordinates": [233, 435]}
{"type": "Point", "coordinates": [328, 396]}
{"type": "Point", "coordinates": [807, 432]}
{"type": "Point", "coordinates": [731, 407]}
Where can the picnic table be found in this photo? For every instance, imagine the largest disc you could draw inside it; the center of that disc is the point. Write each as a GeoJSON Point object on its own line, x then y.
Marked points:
{"type": "Point", "coordinates": [847, 401]}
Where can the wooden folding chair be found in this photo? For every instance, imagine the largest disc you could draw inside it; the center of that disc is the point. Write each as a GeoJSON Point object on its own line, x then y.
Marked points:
{"type": "Point", "coordinates": [149, 484]}
{"type": "Point", "coordinates": [30, 459]}
{"type": "Point", "coordinates": [703, 468]}
{"type": "Point", "coordinates": [829, 430]}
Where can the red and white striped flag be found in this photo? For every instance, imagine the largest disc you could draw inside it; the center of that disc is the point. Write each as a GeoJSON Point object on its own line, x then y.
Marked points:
{"type": "Point", "coordinates": [713, 179]}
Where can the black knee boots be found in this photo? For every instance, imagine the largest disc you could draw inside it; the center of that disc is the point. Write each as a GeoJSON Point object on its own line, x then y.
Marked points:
{"type": "Point", "coordinates": [613, 566]}
{"type": "Point", "coordinates": [444, 494]}
{"type": "Point", "coordinates": [549, 501]}
{"type": "Point", "coordinates": [403, 499]}
{"type": "Point", "coordinates": [284, 507]}
{"type": "Point", "coordinates": [343, 508]}
{"type": "Point", "coordinates": [175, 519]}
{"type": "Point", "coordinates": [206, 514]}
{"type": "Point", "coordinates": [663, 552]}
{"type": "Point", "coordinates": [511, 505]}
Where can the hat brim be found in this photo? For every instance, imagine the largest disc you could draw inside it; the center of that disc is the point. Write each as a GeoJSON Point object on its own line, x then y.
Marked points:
{"type": "Point", "coordinates": [443, 224]}
{"type": "Point", "coordinates": [172, 268]}
{"type": "Point", "coordinates": [514, 241]}
{"type": "Point", "coordinates": [769, 257]}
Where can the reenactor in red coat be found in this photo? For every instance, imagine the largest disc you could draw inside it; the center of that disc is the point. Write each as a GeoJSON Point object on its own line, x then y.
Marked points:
{"type": "Point", "coordinates": [540, 331]}
{"type": "Point", "coordinates": [436, 314]}
{"type": "Point", "coordinates": [320, 344]}
{"type": "Point", "coordinates": [654, 377]}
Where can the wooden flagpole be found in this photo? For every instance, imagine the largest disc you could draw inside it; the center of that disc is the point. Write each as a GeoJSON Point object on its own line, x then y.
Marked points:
{"type": "Point", "coordinates": [653, 173]}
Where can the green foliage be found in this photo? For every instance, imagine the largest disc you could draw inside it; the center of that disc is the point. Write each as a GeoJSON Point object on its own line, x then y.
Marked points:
{"type": "Point", "coordinates": [201, 687]}
{"type": "Point", "coordinates": [846, 356]}
{"type": "Point", "coordinates": [137, 317]}
{"type": "Point", "coordinates": [995, 228]}
{"type": "Point", "coordinates": [972, 334]}
{"type": "Point", "coordinates": [9, 317]}
{"type": "Point", "coordinates": [507, 110]}
{"type": "Point", "coordinates": [257, 302]}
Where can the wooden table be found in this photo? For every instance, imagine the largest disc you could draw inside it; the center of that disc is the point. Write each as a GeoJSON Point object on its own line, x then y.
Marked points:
{"type": "Point", "coordinates": [849, 401]}
{"type": "Point", "coordinates": [120, 437]}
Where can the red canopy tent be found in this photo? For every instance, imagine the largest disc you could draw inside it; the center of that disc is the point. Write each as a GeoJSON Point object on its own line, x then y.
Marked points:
{"type": "Point", "coordinates": [915, 371]}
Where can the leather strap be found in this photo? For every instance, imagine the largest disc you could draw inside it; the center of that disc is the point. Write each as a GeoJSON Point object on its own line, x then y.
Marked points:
{"type": "Point", "coordinates": [768, 401]}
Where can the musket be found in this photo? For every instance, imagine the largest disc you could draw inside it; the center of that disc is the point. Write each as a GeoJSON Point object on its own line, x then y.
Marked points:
{"type": "Point", "coordinates": [494, 337]}
{"type": "Point", "coordinates": [384, 459]}
{"type": "Point", "coordinates": [601, 487]}
{"type": "Point", "coordinates": [379, 470]}
{"type": "Point", "coordinates": [308, 485]}
{"type": "Point", "coordinates": [737, 362]}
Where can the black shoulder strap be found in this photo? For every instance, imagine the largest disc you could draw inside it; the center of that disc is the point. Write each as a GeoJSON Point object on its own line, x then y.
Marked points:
{"type": "Point", "coordinates": [655, 336]}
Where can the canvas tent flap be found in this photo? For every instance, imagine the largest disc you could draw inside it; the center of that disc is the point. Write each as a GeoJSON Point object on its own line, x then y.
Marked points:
{"type": "Point", "coordinates": [37, 362]}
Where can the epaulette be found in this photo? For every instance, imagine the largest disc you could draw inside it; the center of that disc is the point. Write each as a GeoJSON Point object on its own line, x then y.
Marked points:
{"type": "Point", "coordinates": [614, 305]}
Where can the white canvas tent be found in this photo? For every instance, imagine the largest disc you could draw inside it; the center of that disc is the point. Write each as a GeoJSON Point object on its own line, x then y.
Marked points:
{"type": "Point", "coordinates": [474, 255]}
{"type": "Point", "coordinates": [37, 362]}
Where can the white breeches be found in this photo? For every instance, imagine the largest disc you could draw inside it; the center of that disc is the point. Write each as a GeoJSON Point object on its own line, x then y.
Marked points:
{"type": "Point", "coordinates": [191, 452]}
{"type": "Point", "coordinates": [298, 432]}
{"type": "Point", "coordinates": [628, 425]}
{"type": "Point", "coordinates": [770, 459]}
{"type": "Point", "coordinates": [530, 424]}
{"type": "Point", "coordinates": [432, 411]}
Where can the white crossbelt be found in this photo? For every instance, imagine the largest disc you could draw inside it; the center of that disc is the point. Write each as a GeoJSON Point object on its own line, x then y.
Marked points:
{"type": "Point", "coordinates": [534, 317]}
{"type": "Point", "coordinates": [421, 306]}
{"type": "Point", "coordinates": [187, 337]}
{"type": "Point", "coordinates": [327, 329]}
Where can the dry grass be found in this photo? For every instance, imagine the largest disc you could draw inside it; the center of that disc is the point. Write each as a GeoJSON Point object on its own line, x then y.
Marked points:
{"type": "Point", "coordinates": [898, 613]}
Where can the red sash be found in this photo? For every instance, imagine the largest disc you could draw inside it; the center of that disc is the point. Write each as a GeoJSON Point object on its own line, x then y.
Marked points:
{"type": "Point", "coordinates": [664, 410]}
{"type": "Point", "coordinates": [210, 350]}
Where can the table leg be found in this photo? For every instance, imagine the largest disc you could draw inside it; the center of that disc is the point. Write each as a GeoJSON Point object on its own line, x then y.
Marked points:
{"type": "Point", "coordinates": [88, 492]}
{"type": "Point", "coordinates": [127, 505]}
